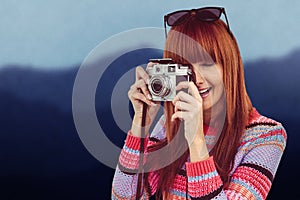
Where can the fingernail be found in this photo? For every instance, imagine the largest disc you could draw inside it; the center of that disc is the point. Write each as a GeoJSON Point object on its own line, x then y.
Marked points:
{"type": "Point", "coordinates": [149, 96]}
{"type": "Point", "coordinates": [147, 81]}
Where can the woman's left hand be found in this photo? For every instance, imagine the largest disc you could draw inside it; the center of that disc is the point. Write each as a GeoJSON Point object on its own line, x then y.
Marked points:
{"type": "Point", "coordinates": [188, 107]}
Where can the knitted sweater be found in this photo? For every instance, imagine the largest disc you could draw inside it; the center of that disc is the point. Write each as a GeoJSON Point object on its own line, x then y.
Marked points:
{"type": "Point", "coordinates": [255, 165]}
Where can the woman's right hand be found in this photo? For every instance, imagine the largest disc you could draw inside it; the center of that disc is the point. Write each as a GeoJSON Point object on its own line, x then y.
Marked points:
{"type": "Point", "coordinates": [138, 95]}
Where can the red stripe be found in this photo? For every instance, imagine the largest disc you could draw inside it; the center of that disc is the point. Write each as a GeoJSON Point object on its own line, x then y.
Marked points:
{"type": "Point", "coordinates": [202, 167]}
{"type": "Point", "coordinates": [254, 178]}
{"type": "Point", "coordinates": [271, 133]}
{"type": "Point", "coordinates": [133, 142]}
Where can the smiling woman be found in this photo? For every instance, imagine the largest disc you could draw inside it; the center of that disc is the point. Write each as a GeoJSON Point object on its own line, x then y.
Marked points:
{"type": "Point", "coordinates": [233, 158]}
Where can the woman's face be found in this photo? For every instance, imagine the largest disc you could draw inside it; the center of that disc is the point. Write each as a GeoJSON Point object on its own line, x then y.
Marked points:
{"type": "Point", "coordinates": [209, 81]}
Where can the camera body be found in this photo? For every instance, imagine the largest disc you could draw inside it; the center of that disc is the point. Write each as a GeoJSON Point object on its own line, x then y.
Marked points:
{"type": "Point", "coordinates": [164, 76]}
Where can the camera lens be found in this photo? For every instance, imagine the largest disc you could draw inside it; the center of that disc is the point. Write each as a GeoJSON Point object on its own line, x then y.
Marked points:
{"type": "Point", "coordinates": [157, 86]}
{"type": "Point", "coordinates": [160, 86]}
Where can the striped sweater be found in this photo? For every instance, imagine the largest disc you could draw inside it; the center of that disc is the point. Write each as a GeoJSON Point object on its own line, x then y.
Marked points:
{"type": "Point", "coordinates": [255, 165]}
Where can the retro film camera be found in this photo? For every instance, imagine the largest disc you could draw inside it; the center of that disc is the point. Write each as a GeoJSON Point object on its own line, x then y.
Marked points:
{"type": "Point", "coordinates": [164, 76]}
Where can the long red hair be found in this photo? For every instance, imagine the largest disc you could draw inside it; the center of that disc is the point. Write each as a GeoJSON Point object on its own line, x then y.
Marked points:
{"type": "Point", "coordinates": [222, 48]}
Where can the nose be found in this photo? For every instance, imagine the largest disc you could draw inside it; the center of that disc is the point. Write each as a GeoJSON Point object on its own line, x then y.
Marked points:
{"type": "Point", "coordinates": [198, 76]}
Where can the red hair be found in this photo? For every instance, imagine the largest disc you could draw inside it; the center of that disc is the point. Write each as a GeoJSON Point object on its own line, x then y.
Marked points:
{"type": "Point", "coordinates": [222, 48]}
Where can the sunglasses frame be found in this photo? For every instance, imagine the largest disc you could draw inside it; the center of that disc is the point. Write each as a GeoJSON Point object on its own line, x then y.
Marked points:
{"type": "Point", "coordinates": [221, 9]}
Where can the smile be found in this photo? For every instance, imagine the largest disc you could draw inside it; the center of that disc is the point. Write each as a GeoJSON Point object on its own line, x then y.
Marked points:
{"type": "Point", "coordinates": [204, 92]}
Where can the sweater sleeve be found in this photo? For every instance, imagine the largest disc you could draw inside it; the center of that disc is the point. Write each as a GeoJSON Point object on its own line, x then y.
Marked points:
{"type": "Point", "coordinates": [126, 174]}
{"type": "Point", "coordinates": [125, 179]}
{"type": "Point", "coordinates": [251, 179]}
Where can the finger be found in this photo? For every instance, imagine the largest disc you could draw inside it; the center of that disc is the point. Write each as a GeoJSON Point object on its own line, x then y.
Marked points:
{"type": "Point", "coordinates": [133, 90]}
{"type": "Point", "coordinates": [178, 115]}
{"type": "Point", "coordinates": [182, 85]}
{"type": "Point", "coordinates": [182, 96]}
{"type": "Point", "coordinates": [140, 73]}
{"type": "Point", "coordinates": [192, 88]}
{"type": "Point", "coordinates": [150, 64]}
{"type": "Point", "coordinates": [141, 97]}
{"type": "Point", "coordinates": [140, 84]}
{"type": "Point", "coordinates": [182, 106]}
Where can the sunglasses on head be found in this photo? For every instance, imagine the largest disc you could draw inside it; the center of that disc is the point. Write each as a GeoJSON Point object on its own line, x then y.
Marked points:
{"type": "Point", "coordinates": [206, 14]}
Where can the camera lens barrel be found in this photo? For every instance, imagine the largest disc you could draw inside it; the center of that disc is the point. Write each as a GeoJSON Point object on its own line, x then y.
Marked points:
{"type": "Point", "coordinates": [160, 85]}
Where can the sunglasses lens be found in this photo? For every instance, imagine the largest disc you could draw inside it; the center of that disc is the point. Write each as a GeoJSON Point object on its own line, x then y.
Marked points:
{"type": "Point", "coordinates": [208, 14]}
{"type": "Point", "coordinates": [177, 18]}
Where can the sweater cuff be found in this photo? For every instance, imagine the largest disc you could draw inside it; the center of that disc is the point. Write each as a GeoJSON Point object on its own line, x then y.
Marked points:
{"type": "Point", "coordinates": [133, 142]}
{"type": "Point", "coordinates": [203, 179]}
{"type": "Point", "coordinates": [130, 154]}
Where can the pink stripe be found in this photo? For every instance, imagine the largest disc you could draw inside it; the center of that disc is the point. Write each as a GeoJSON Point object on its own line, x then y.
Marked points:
{"type": "Point", "coordinates": [129, 160]}
{"type": "Point", "coordinates": [205, 187]}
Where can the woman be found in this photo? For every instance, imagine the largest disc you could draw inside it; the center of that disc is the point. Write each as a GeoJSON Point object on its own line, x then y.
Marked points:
{"type": "Point", "coordinates": [232, 151]}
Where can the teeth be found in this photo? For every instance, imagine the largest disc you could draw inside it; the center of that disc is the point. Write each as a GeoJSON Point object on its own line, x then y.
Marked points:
{"type": "Point", "coordinates": [203, 91]}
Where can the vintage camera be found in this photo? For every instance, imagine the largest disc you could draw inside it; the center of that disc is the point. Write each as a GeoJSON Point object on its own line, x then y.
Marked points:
{"type": "Point", "coordinates": [164, 76]}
